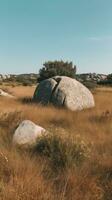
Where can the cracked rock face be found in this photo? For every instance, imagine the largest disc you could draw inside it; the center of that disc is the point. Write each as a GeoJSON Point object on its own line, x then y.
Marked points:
{"type": "Point", "coordinates": [64, 91]}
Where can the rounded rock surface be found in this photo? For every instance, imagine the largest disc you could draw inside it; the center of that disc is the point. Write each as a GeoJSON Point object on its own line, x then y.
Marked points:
{"type": "Point", "coordinates": [27, 133]}
{"type": "Point", "coordinates": [64, 91]}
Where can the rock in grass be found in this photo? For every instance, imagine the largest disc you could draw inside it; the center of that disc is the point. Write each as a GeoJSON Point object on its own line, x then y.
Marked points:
{"type": "Point", "coordinates": [64, 91]}
{"type": "Point", "coordinates": [27, 133]}
{"type": "Point", "coordinates": [5, 94]}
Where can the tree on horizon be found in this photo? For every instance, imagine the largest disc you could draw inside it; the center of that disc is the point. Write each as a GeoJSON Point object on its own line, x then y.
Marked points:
{"type": "Point", "coordinates": [57, 68]}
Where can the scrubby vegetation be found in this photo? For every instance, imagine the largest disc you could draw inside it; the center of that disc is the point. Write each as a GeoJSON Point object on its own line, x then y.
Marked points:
{"type": "Point", "coordinates": [20, 79]}
{"type": "Point", "coordinates": [109, 77]}
{"type": "Point", "coordinates": [62, 152]}
{"type": "Point", "coordinates": [73, 162]}
{"type": "Point", "coordinates": [56, 68]}
{"type": "Point", "coordinates": [107, 81]}
{"type": "Point", "coordinates": [90, 84]}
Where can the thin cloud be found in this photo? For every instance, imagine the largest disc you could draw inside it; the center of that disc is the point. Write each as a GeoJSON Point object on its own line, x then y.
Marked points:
{"type": "Point", "coordinates": [102, 38]}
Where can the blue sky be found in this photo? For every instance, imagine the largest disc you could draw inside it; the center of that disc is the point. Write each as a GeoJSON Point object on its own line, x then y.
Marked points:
{"type": "Point", "coordinates": [35, 31]}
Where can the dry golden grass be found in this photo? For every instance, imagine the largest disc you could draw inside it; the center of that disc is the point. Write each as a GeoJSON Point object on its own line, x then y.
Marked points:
{"type": "Point", "coordinates": [28, 176]}
{"type": "Point", "coordinates": [19, 91]}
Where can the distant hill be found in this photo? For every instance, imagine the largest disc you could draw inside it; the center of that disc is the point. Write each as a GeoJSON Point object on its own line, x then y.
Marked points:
{"type": "Point", "coordinates": [89, 79]}
{"type": "Point", "coordinates": [25, 79]}
{"type": "Point", "coordinates": [32, 76]}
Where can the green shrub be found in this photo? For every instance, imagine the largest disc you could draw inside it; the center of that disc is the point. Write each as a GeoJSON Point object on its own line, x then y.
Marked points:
{"type": "Point", "coordinates": [56, 68]}
{"type": "Point", "coordinates": [62, 152]}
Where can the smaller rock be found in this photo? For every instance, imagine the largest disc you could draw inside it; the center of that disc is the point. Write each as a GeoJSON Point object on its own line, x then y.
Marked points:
{"type": "Point", "coordinates": [27, 133]}
{"type": "Point", "coordinates": [5, 94]}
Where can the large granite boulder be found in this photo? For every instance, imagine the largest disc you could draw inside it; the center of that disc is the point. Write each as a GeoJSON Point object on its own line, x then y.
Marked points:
{"type": "Point", "coordinates": [64, 91]}
{"type": "Point", "coordinates": [27, 133]}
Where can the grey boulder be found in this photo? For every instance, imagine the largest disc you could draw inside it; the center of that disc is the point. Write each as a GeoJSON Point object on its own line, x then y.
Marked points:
{"type": "Point", "coordinates": [64, 91]}
{"type": "Point", "coordinates": [27, 133]}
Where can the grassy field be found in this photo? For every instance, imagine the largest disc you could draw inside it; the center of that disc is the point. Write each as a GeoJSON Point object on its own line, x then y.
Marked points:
{"type": "Point", "coordinates": [73, 163]}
